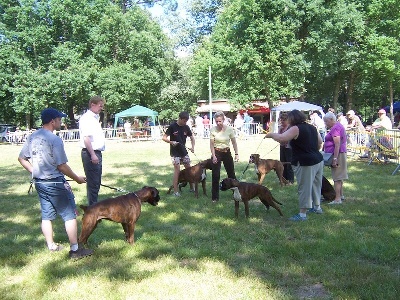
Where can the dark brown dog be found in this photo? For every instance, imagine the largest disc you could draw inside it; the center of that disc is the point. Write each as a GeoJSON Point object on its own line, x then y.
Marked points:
{"type": "Point", "coordinates": [244, 191]}
{"type": "Point", "coordinates": [327, 190]}
{"type": "Point", "coordinates": [264, 166]}
{"type": "Point", "coordinates": [123, 209]}
{"type": "Point", "coordinates": [194, 175]}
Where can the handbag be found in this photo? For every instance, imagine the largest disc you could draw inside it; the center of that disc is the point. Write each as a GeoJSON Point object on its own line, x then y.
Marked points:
{"type": "Point", "coordinates": [328, 158]}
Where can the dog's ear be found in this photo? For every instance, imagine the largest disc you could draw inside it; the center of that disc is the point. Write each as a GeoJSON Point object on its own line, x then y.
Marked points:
{"type": "Point", "coordinates": [235, 182]}
{"type": "Point", "coordinates": [154, 192]}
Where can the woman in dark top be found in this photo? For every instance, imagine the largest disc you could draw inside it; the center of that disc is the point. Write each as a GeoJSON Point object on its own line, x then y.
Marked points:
{"type": "Point", "coordinates": [307, 162]}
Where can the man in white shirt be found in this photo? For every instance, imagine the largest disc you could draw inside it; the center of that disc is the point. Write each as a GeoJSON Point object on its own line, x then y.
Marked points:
{"type": "Point", "coordinates": [319, 124]}
{"type": "Point", "coordinates": [92, 142]}
{"type": "Point", "coordinates": [199, 126]}
{"type": "Point", "coordinates": [383, 121]}
{"type": "Point", "coordinates": [127, 127]}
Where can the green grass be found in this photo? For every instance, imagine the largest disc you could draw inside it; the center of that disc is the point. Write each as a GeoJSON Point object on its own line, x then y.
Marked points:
{"type": "Point", "coordinates": [190, 248]}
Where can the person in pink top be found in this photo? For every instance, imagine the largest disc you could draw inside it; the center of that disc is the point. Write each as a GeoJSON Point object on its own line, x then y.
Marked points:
{"type": "Point", "coordinates": [335, 142]}
{"type": "Point", "coordinates": [206, 126]}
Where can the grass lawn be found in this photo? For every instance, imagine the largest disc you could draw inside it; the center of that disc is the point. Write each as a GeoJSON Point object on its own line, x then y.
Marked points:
{"type": "Point", "coordinates": [189, 248]}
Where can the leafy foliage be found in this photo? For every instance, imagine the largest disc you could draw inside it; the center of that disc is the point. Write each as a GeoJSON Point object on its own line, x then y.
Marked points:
{"type": "Point", "coordinates": [339, 53]}
{"type": "Point", "coordinates": [60, 53]}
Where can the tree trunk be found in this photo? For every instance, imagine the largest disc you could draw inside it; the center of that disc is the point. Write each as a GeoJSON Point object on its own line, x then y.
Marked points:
{"type": "Point", "coordinates": [350, 89]}
{"type": "Point", "coordinates": [336, 94]}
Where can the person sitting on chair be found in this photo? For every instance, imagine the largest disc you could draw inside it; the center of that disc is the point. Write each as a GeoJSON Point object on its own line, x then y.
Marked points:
{"type": "Point", "coordinates": [381, 123]}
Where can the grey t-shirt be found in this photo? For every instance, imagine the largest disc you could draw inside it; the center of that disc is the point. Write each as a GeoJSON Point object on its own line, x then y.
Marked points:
{"type": "Point", "coordinates": [45, 151]}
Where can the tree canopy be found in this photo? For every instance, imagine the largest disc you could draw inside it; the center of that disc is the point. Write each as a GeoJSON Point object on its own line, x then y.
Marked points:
{"type": "Point", "coordinates": [337, 53]}
{"type": "Point", "coordinates": [59, 53]}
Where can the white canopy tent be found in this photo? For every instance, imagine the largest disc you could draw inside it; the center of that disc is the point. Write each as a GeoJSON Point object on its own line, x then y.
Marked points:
{"type": "Point", "coordinates": [299, 105]}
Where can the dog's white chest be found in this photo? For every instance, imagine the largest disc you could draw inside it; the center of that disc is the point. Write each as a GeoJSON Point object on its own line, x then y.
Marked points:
{"type": "Point", "coordinates": [236, 194]}
{"type": "Point", "coordinates": [203, 175]}
{"type": "Point", "coordinates": [256, 169]}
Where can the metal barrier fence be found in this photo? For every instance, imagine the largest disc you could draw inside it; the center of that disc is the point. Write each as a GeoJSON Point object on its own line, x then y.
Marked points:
{"type": "Point", "coordinates": [152, 133]}
{"type": "Point", "coordinates": [381, 146]}
{"type": "Point", "coordinates": [247, 130]}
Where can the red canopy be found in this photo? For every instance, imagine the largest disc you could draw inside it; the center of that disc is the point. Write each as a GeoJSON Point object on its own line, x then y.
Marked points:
{"type": "Point", "coordinates": [258, 108]}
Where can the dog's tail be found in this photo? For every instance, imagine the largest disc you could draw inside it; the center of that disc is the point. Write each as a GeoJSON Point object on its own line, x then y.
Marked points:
{"type": "Point", "coordinates": [276, 201]}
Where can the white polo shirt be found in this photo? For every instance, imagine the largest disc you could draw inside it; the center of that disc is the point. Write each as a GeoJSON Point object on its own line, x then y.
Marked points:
{"type": "Point", "coordinates": [89, 126]}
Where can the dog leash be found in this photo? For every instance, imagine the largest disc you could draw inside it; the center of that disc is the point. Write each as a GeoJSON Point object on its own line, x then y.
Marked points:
{"type": "Point", "coordinates": [187, 148]}
{"type": "Point", "coordinates": [30, 190]}
{"type": "Point", "coordinates": [248, 164]}
{"type": "Point", "coordinates": [110, 187]}
{"type": "Point", "coordinates": [114, 188]}
{"type": "Point", "coordinates": [271, 150]}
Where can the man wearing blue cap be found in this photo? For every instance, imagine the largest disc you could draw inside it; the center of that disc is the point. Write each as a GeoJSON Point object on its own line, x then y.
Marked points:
{"type": "Point", "coordinates": [43, 155]}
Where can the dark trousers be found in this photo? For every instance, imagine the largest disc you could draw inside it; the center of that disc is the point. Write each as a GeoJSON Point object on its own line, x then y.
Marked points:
{"type": "Point", "coordinates": [227, 159]}
{"type": "Point", "coordinates": [286, 155]}
{"type": "Point", "coordinates": [93, 175]}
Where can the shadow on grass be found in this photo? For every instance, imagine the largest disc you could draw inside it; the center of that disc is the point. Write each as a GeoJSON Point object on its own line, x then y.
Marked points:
{"type": "Point", "coordinates": [356, 238]}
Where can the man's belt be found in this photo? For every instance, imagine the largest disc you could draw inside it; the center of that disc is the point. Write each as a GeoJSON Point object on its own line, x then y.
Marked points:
{"type": "Point", "coordinates": [86, 150]}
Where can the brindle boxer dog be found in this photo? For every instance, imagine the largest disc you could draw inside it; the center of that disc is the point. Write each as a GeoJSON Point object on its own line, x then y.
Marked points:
{"type": "Point", "coordinates": [194, 175]}
{"type": "Point", "coordinates": [263, 166]}
{"type": "Point", "coordinates": [327, 190]}
{"type": "Point", "coordinates": [123, 209]}
{"type": "Point", "coordinates": [244, 191]}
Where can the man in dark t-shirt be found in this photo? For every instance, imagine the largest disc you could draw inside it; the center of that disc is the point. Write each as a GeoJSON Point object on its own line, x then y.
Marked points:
{"type": "Point", "coordinates": [176, 135]}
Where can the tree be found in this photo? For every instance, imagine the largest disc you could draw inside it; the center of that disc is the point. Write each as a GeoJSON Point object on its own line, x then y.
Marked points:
{"type": "Point", "coordinates": [179, 95]}
{"type": "Point", "coordinates": [253, 52]}
{"type": "Point", "coordinates": [333, 48]}
{"type": "Point", "coordinates": [203, 15]}
{"type": "Point", "coordinates": [71, 50]}
{"type": "Point", "coordinates": [382, 58]}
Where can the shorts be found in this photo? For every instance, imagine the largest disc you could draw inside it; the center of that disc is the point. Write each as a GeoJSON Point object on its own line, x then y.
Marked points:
{"type": "Point", "coordinates": [340, 173]}
{"type": "Point", "coordinates": [176, 160]}
{"type": "Point", "coordinates": [55, 199]}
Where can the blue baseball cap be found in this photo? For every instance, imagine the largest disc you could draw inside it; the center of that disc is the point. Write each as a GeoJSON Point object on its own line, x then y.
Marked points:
{"type": "Point", "coordinates": [49, 114]}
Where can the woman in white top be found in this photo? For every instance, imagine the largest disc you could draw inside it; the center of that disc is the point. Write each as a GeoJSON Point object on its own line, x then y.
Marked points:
{"type": "Point", "coordinates": [220, 137]}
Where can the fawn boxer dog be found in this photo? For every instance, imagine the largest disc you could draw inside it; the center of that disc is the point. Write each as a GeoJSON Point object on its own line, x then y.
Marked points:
{"type": "Point", "coordinates": [263, 166]}
{"type": "Point", "coordinates": [244, 191]}
{"type": "Point", "coordinates": [195, 175]}
{"type": "Point", "coordinates": [124, 209]}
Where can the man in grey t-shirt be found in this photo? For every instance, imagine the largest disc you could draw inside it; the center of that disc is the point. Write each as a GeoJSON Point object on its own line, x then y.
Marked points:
{"type": "Point", "coordinates": [43, 155]}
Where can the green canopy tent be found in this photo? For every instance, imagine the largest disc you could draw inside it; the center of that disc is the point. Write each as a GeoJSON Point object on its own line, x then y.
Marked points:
{"type": "Point", "coordinates": [136, 111]}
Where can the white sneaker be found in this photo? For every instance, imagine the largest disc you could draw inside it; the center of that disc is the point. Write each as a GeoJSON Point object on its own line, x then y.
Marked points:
{"type": "Point", "coordinates": [177, 194]}
{"type": "Point", "coordinates": [335, 202]}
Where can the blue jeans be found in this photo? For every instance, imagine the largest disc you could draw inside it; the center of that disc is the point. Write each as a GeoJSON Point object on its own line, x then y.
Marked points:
{"type": "Point", "coordinates": [55, 199]}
